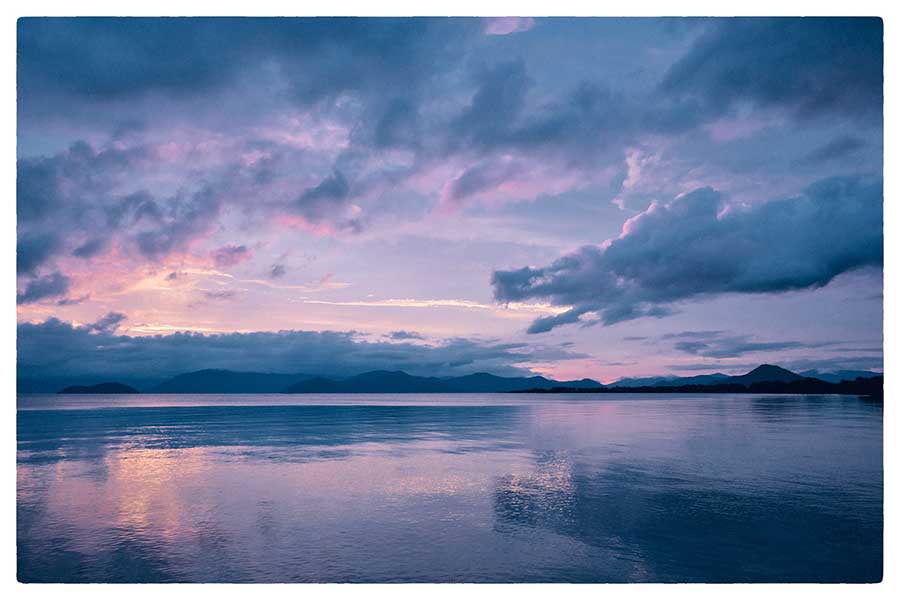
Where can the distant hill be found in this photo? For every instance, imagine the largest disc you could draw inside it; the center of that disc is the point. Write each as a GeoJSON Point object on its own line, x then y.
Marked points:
{"type": "Point", "coordinates": [766, 373]}
{"type": "Point", "coordinates": [839, 376]}
{"type": "Point", "coordinates": [374, 382]}
{"type": "Point", "coordinates": [759, 374]}
{"type": "Point", "coordinates": [100, 388]}
{"type": "Point", "coordinates": [485, 382]}
{"type": "Point", "coordinates": [221, 381]}
{"type": "Point", "coordinates": [764, 379]}
{"type": "Point", "coordinates": [673, 380]}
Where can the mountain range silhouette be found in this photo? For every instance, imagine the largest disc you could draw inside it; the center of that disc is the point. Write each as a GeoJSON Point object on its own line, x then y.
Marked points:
{"type": "Point", "coordinates": [764, 378]}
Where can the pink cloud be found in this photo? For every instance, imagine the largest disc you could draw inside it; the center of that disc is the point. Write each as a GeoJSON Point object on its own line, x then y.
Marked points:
{"type": "Point", "coordinates": [298, 222]}
{"type": "Point", "coordinates": [507, 25]}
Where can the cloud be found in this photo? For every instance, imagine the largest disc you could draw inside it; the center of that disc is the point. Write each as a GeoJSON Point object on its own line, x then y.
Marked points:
{"type": "Point", "coordinates": [726, 345]}
{"type": "Point", "coordinates": [810, 66]}
{"type": "Point", "coordinates": [60, 201]}
{"type": "Point", "coordinates": [47, 184]}
{"type": "Point", "coordinates": [231, 255]}
{"type": "Point", "coordinates": [98, 57]}
{"type": "Point", "coordinates": [512, 307]}
{"type": "Point", "coordinates": [405, 335]}
{"type": "Point", "coordinates": [479, 178]}
{"type": "Point", "coordinates": [33, 250]}
{"type": "Point", "coordinates": [347, 91]}
{"type": "Point", "coordinates": [698, 245]}
{"type": "Point", "coordinates": [54, 348]}
{"type": "Point", "coordinates": [324, 200]}
{"type": "Point", "coordinates": [90, 248]}
{"type": "Point", "coordinates": [498, 102]}
{"type": "Point", "coordinates": [220, 295]}
{"type": "Point", "coordinates": [73, 301]}
{"type": "Point", "coordinates": [77, 202]}
{"type": "Point", "coordinates": [108, 323]}
{"type": "Point", "coordinates": [177, 222]}
{"type": "Point", "coordinates": [837, 148]}
{"type": "Point", "coordinates": [356, 120]}
{"type": "Point", "coordinates": [277, 271]}
{"type": "Point", "coordinates": [507, 25]}
{"type": "Point", "coordinates": [715, 344]}
{"type": "Point", "coordinates": [165, 178]}
{"type": "Point", "coordinates": [321, 58]}
{"type": "Point", "coordinates": [49, 286]}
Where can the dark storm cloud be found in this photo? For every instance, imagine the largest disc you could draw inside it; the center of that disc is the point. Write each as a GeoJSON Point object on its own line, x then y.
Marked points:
{"type": "Point", "coordinates": [49, 286]}
{"type": "Point", "coordinates": [56, 348]}
{"type": "Point", "coordinates": [697, 245]}
{"type": "Point", "coordinates": [811, 66]}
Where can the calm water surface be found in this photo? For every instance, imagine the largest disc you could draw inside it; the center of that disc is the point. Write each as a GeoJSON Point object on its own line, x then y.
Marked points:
{"type": "Point", "coordinates": [483, 488]}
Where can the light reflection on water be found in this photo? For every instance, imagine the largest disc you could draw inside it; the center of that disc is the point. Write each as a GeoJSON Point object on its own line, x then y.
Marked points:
{"type": "Point", "coordinates": [449, 488]}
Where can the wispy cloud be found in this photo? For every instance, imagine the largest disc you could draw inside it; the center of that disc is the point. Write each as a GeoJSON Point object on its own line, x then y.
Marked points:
{"type": "Point", "coordinates": [512, 307]}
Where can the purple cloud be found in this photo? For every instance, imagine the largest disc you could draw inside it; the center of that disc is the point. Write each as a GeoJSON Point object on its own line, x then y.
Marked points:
{"type": "Point", "coordinates": [698, 245]}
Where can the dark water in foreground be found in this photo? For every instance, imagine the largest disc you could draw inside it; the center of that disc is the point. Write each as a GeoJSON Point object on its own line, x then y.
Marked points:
{"type": "Point", "coordinates": [484, 488]}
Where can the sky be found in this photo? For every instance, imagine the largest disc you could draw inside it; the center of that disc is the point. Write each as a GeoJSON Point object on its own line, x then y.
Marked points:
{"type": "Point", "coordinates": [573, 197]}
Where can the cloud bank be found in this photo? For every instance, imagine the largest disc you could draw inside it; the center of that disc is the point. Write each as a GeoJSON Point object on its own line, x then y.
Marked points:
{"type": "Point", "coordinates": [55, 349]}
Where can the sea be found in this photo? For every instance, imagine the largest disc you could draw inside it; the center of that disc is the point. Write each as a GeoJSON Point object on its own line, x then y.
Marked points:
{"type": "Point", "coordinates": [578, 488]}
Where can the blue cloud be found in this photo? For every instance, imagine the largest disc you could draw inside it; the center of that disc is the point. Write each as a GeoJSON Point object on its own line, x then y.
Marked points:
{"type": "Point", "coordinates": [697, 245]}
{"type": "Point", "coordinates": [49, 286]}
{"type": "Point", "coordinates": [811, 66]}
{"type": "Point", "coordinates": [55, 348]}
